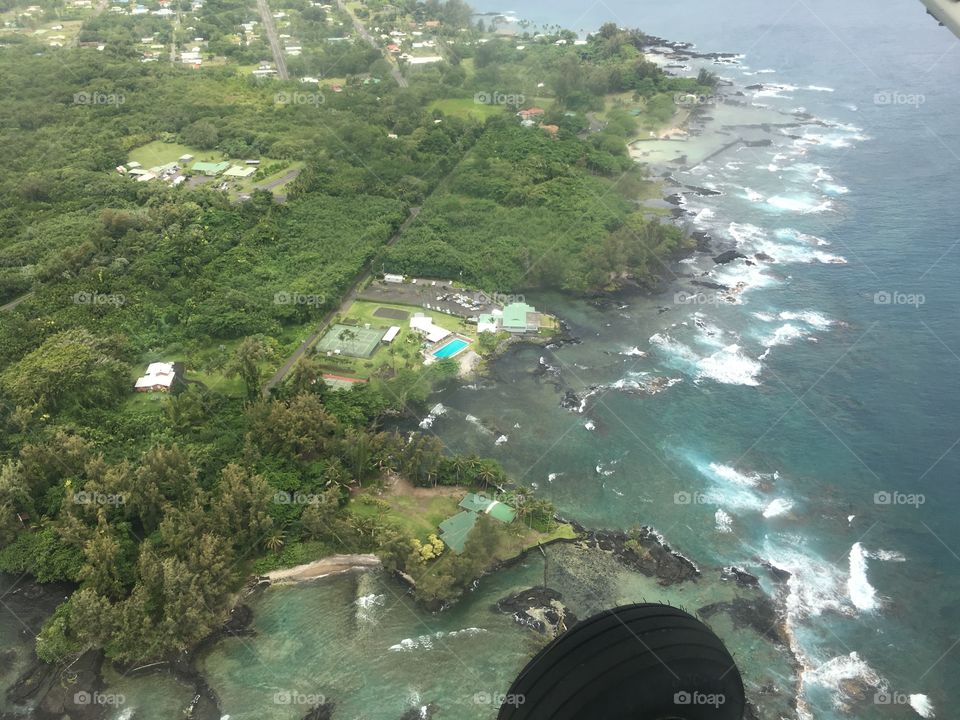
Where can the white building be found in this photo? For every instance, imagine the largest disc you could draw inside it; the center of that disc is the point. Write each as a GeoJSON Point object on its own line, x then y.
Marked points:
{"type": "Point", "coordinates": [424, 325]}
{"type": "Point", "coordinates": [391, 334]}
{"type": "Point", "coordinates": [390, 278]}
{"type": "Point", "coordinates": [159, 378]}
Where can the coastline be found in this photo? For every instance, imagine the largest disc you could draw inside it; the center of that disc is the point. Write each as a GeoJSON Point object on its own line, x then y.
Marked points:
{"type": "Point", "coordinates": [332, 565]}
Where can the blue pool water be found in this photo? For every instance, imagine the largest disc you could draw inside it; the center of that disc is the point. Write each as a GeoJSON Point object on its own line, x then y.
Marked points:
{"type": "Point", "coordinates": [450, 349]}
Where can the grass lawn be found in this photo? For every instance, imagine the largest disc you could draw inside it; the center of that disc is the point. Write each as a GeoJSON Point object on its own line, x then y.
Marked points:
{"type": "Point", "coordinates": [407, 342]}
{"type": "Point", "coordinates": [466, 108]}
{"type": "Point", "coordinates": [416, 516]}
{"type": "Point", "coordinates": [160, 153]}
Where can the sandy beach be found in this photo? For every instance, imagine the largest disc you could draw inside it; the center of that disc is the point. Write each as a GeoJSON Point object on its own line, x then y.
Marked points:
{"type": "Point", "coordinates": [321, 568]}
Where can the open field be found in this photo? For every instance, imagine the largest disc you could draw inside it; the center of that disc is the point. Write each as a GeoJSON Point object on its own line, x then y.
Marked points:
{"type": "Point", "coordinates": [466, 108]}
{"type": "Point", "coordinates": [160, 153]}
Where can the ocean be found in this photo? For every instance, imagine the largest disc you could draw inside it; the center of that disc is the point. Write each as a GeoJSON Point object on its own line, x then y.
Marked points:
{"type": "Point", "coordinates": [811, 423]}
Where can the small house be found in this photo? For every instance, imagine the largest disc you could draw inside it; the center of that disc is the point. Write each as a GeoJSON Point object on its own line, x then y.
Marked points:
{"type": "Point", "coordinates": [158, 378]}
{"type": "Point", "coordinates": [390, 278]}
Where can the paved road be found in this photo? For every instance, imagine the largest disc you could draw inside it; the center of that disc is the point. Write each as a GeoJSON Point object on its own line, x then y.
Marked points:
{"type": "Point", "coordinates": [365, 34]}
{"type": "Point", "coordinates": [279, 181]}
{"type": "Point", "coordinates": [267, 17]}
{"type": "Point", "coordinates": [13, 303]}
{"type": "Point", "coordinates": [347, 301]}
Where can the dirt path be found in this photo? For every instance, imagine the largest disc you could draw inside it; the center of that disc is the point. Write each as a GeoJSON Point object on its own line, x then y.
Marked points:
{"type": "Point", "coordinates": [13, 303]}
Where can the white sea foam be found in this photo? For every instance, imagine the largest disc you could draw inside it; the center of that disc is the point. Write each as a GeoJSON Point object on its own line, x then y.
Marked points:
{"type": "Point", "coordinates": [426, 642]}
{"type": "Point", "coordinates": [922, 705]}
{"type": "Point", "coordinates": [743, 277]}
{"type": "Point", "coordinates": [752, 195]}
{"type": "Point", "coordinates": [886, 555]}
{"type": "Point", "coordinates": [729, 365]}
{"type": "Point", "coordinates": [810, 317]}
{"type": "Point", "coordinates": [475, 421]}
{"type": "Point", "coordinates": [791, 235]}
{"type": "Point", "coordinates": [834, 189]}
{"type": "Point", "coordinates": [835, 673]}
{"type": "Point", "coordinates": [803, 205]}
{"type": "Point", "coordinates": [729, 474]}
{"type": "Point", "coordinates": [798, 254]}
{"type": "Point", "coordinates": [745, 233]}
{"type": "Point", "coordinates": [366, 605]}
{"type": "Point", "coordinates": [774, 90]}
{"type": "Point", "coordinates": [861, 592]}
{"type": "Point", "coordinates": [814, 586]}
{"type": "Point", "coordinates": [634, 352]}
{"type": "Point", "coordinates": [820, 88]}
{"type": "Point", "coordinates": [783, 335]}
{"type": "Point", "coordinates": [778, 507]}
{"type": "Point", "coordinates": [723, 521]}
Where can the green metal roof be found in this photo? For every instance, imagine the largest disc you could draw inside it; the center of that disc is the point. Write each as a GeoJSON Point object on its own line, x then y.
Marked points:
{"type": "Point", "coordinates": [515, 314]}
{"type": "Point", "coordinates": [209, 168]}
{"type": "Point", "coordinates": [475, 502]}
{"type": "Point", "coordinates": [486, 319]}
{"type": "Point", "coordinates": [454, 530]}
{"type": "Point", "coordinates": [503, 513]}
{"type": "Point", "coordinates": [493, 508]}
{"type": "Point", "coordinates": [240, 171]}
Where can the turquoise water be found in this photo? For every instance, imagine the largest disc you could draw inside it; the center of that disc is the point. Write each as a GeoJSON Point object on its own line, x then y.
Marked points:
{"type": "Point", "coordinates": [450, 349]}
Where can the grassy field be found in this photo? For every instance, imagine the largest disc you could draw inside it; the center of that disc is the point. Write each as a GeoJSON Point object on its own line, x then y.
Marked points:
{"type": "Point", "coordinates": [416, 516]}
{"type": "Point", "coordinates": [161, 153]}
{"type": "Point", "coordinates": [466, 108]}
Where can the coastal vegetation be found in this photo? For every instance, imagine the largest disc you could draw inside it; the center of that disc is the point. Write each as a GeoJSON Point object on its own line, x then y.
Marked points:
{"type": "Point", "coordinates": [159, 507]}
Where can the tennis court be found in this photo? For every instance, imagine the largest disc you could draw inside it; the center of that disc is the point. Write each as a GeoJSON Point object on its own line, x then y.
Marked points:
{"type": "Point", "coordinates": [350, 341]}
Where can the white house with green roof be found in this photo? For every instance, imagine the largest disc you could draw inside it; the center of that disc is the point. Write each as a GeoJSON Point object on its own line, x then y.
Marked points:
{"type": "Point", "coordinates": [519, 317]}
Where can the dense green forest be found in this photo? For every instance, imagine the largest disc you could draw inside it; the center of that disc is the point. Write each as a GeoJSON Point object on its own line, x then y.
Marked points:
{"type": "Point", "coordinates": [159, 509]}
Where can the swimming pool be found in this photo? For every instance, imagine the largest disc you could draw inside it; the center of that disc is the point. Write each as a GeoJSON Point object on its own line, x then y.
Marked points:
{"type": "Point", "coordinates": [450, 349]}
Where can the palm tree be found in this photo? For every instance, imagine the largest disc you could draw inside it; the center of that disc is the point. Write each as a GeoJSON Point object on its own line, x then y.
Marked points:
{"type": "Point", "coordinates": [487, 474]}
{"type": "Point", "coordinates": [275, 542]}
{"type": "Point", "coordinates": [459, 465]}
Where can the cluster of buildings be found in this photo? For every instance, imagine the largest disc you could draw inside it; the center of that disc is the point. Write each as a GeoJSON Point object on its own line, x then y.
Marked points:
{"type": "Point", "coordinates": [415, 47]}
{"type": "Point", "coordinates": [127, 7]}
{"type": "Point", "coordinates": [533, 117]}
{"type": "Point", "coordinates": [175, 173]}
